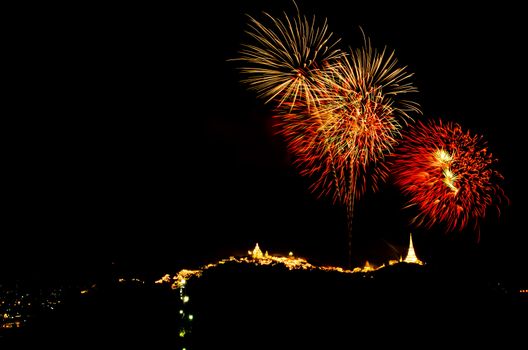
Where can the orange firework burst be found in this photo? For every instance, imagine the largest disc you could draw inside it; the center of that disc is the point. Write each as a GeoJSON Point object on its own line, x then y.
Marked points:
{"type": "Point", "coordinates": [449, 175]}
{"type": "Point", "coordinates": [286, 58]}
{"type": "Point", "coordinates": [354, 124]}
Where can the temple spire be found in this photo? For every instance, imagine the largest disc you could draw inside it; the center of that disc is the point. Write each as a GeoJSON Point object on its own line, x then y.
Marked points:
{"type": "Point", "coordinates": [411, 255]}
{"type": "Point", "coordinates": [256, 253]}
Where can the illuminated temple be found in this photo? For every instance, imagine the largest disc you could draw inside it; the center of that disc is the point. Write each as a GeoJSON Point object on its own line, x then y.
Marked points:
{"type": "Point", "coordinates": [291, 262]}
{"type": "Point", "coordinates": [411, 255]}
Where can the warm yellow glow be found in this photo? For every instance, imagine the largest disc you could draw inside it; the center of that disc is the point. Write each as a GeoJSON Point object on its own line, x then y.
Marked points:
{"type": "Point", "coordinates": [411, 255]}
{"type": "Point", "coordinates": [257, 253]}
{"type": "Point", "coordinates": [165, 278]}
{"type": "Point", "coordinates": [368, 267]}
{"type": "Point", "coordinates": [182, 277]}
{"type": "Point", "coordinates": [84, 291]}
{"type": "Point", "coordinates": [256, 257]}
{"type": "Point", "coordinates": [191, 317]}
{"type": "Point", "coordinates": [449, 179]}
{"type": "Point", "coordinates": [13, 324]}
{"type": "Point", "coordinates": [444, 160]}
{"type": "Point", "coordinates": [443, 156]}
{"type": "Point", "coordinates": [186, 299]}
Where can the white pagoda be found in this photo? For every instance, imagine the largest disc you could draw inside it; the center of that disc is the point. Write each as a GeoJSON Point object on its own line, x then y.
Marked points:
{"type": "Point", "coordinates": [411, 255]}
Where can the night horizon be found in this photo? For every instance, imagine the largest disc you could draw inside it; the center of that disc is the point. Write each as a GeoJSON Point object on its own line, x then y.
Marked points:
{"type": "Point", "coordinates": [136, 150]}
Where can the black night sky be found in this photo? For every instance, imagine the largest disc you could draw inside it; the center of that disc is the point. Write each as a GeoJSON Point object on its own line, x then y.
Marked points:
{"type": "Point", "coordinates": [132, 141]}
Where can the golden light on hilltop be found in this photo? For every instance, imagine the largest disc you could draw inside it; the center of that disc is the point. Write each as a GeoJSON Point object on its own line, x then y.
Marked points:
{"type": "Point", "coordinates": [368, 267]}
{"type": "Point", "coordinates": [256, 253]}
{"type": "Point", "coordinates": [411, 255]}
{"type": "Point", "coordinates": [289, 261]}
{"type": "Point", "coordinates": [255, 257]}
{"type": "Point", "coordinates": [181, 278]}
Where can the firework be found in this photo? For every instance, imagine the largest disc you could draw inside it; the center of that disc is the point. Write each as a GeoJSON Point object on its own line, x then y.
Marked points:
{"type": "Point", "coordinates": [340, 114]}
{"type": "Point", "coordinates": [343, 139]}
{"type": "Point", "coordinates": [449, 175]}
{"type": "Point", "coordinates": [286, 57]}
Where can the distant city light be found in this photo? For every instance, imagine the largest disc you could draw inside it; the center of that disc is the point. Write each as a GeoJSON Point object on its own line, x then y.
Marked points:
{"type": "Point", "coordinates": [186, 299]}
{"type": "Point", "coordinates": [17, 306]}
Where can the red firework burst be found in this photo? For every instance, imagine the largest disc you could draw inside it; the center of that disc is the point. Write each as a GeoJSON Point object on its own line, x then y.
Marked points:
{"type": "Point", "coordinates": [449, 175]}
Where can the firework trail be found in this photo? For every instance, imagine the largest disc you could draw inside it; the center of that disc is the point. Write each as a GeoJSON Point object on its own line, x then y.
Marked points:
{"type": "Point", "coordinates": [448, 174]}
{"type": "Point", "coordinates": [286, 57]}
